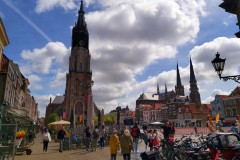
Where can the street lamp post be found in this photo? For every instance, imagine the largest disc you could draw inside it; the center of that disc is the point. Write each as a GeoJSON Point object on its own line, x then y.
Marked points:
{"type": "Point", "coordinates": [218, 64]}
{"type": "Point", "coordinates": [87, 86]}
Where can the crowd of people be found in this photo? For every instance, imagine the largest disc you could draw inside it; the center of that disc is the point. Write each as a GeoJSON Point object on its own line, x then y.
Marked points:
{"type": "Point", "coordinates": [127, 143]}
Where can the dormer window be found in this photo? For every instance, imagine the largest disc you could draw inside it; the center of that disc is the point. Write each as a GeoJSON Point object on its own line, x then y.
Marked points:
{"type": "Point", "coordinates": [201, 109]}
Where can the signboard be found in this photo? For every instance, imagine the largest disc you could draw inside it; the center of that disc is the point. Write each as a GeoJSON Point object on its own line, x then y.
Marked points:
{"type": "Point", "coordinates": [64, 115]}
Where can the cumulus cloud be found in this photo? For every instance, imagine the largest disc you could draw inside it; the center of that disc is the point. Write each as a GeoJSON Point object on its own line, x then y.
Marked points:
{"type": "Point", "coordinates": [59, 80]}
{"type": "Point", "coordinates": [41, 60]}
{"type": "Point", "coordinates": [214, 93]}
{"type": "Point", "coordinates": [46, 5]}
{"type": "Point", "coordinates": [38, 87]}
{"type": "Point", "coordinates": [34, 80]}
{"type": "Point", "coordinates": [43, 101]}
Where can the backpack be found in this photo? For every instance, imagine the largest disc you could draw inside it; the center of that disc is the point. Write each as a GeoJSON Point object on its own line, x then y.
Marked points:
{"type": "Point", "coordinates": [134, 132]}
{"type": "Point", "coordinates": [95, 134]}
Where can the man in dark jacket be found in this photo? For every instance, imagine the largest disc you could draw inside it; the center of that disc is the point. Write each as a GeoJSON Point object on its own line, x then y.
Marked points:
{"type": "Point", "coordinates": [88, 136]}
{"type": "Point", "coordinates": [60, 136]}
{"type": "Point", "coordinates": [135, 134]}
{"type": "Point", "coordinates": [167, 130]}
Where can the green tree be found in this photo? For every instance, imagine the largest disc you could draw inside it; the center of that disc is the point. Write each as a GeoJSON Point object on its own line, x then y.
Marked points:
{"type": "Point", "coordinates": [52, 118]}
{"type": "Point", "coordinates": [109, 118]}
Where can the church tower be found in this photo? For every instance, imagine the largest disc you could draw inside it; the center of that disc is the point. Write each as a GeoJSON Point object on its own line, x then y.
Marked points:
{"type": "Point", "coordinates": [78, 93]}
{"type": "Point", "coordinates": [179, 88]}
{"type": "Point", "coordinates": [194, 94]}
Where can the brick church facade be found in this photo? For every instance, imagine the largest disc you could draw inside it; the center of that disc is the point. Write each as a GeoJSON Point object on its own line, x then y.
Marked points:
{"type": "Point", "coordinates": [78, 93]}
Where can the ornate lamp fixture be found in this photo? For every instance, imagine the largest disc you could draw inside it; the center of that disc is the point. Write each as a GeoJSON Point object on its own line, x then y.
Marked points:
{"type": "Point", "coordinates": [218, 64]}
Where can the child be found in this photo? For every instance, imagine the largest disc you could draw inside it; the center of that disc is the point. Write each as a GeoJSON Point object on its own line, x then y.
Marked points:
{"type": "Point", "coordinates": [150, 138]}
{"type": "Point", "coordinates": [145, 138]}
{"type": "Point", "coordinates": [155, 139]}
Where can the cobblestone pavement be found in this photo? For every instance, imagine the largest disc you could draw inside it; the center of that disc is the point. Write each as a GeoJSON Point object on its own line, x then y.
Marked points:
{"type": "Point", "coordinates": [100, 154]}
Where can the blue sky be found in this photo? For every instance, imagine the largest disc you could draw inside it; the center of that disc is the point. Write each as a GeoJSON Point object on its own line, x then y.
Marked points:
{"type": "Point", "coordinates": [134, 44]}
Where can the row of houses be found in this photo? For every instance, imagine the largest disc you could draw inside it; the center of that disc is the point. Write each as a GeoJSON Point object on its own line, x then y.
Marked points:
{"type": "Point", "coordinates": [228, 106]}
{"type": "Point", "coordinates": [179, 111]}
{"type": "Point", "coordinates": [14, 86]}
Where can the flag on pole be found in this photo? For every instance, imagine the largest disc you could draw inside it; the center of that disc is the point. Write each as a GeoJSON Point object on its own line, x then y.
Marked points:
{"type": "Point", "coordinates": [114, 118]}
{"type": "Point", "coordinates": [148, 115]}
{"type": "Point", "coordinates": [64, 115]}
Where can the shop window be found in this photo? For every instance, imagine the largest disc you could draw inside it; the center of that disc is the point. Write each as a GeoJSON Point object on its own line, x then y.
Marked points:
{"type": "Point", "coordinates": [226, 103]}
{"type": "Point", "coordinates": [228, 112]}
{"type": "Point", "coordinates": [233, 102]}
{"type": "Point", "coordinates": [234, 111]}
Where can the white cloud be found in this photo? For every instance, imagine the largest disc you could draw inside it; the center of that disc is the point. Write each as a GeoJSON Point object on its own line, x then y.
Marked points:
{"type": "Point", "coordinates": [46, 5]}
{"type": "Point", "coordinates": [38, 87]}
{"type": "Point", "coordinates": [214, 93]}
{"type": "Point", "coordinates": [225, 23]}
{"type": "Point", "coordinates": [41, 60]}
{"type": "Point", "coordinates": [43, 101]}
{"type": "Point", "coordinates": [59, 80]}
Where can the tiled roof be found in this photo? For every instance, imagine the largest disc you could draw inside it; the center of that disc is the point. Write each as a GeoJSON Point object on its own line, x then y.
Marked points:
{"type": "Point", "coordinates": [58, 100]}
{"type": "Point", "coordinates": [158, 106]}
{"type": "Point", "coordinates": [152, 96]}
{"type": "Point", "coordinates": [223, 96]}
{"type": "Point", "coordinates": [206, 108]}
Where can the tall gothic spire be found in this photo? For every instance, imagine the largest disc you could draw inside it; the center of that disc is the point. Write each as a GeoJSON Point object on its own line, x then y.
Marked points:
{"type": "Point", "coordinates": [192, 74]}
{"type": "Point", "coordinates": [165, 90]}
{"type": "Point", "coordinates": [158, 91]}
{"type": "Point", "coordinates": [179, 83]}
{"type": "Point", "coordinates": [81, 18]}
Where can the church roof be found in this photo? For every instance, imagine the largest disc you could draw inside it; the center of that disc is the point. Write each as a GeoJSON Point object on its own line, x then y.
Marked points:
{"type": "Point", "coordinates": [151, 96]}
{"type": "Point", "coordinates": [58, 100]}
{"type": "Point", "coordinates": [192, 74]}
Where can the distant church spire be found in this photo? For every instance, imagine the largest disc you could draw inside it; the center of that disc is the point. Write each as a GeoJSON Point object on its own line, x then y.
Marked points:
{"type": "Point", "coordinates": [158, 91]}
{"type": "Point", "coordinates": [192, 74]}
{"type": "Point", "coordinates": [165, 90]}
{"type": "Point", "coordinates": [194, 94]}
{"type": "Point", "coordinates": [179, 88]}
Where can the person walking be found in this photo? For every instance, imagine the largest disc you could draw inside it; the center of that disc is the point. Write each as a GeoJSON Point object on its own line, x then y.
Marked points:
{"type": "Point", "coordinates": [102, 137]}
{"type": "Point", "coordinates": [125, 142]}
{"type": "Point", "coordinates": [144, 127]}
{"type": "Point", "coordinates": [166, 130]}
{"type": "Point", "coordinates": [145, 139]}
{"type": "Point", "coordinates": [155, 139]}
{"type": "Point", "coordinates": [195, 127]}
{"type": "Point", "coordinates": [95, 138]}
{"type": "Point", "coordinates": [88, 136]}
{"type": "Point", "coordinates": [60, 136]}
{"type": "Point", "coordinates": [114, 145]}
{"type": "Point", "coordinates": [150, 139]}
{"type": "Point", "coordinates": [135, 134]}
{"type": "Point", "coordinates": [46, 138]}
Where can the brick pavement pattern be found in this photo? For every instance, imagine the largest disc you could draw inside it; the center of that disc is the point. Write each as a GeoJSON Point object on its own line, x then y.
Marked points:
{"type": "Point", "coordinates": [54, 154]}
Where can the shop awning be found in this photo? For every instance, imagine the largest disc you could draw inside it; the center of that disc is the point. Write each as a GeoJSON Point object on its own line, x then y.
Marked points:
{"type": "Point", "coordinates": [232, 119]}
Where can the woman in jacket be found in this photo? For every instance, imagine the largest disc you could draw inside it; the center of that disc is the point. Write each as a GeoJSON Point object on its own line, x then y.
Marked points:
{"type": "Point", "coordinates": [45, 139]}
{"type": "Point", "coordinates": [125, 141]}
{"type": "Point", "coordinates": [114, 145]}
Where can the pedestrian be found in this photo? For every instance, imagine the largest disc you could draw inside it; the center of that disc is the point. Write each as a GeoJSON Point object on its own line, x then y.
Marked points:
{"type": "Point", "coordinates": [166, 130]}
{"type": "Point", "coordinates": [150, 139]}
{"type": "Point", "coordinates": [144, 127]}
{"type": "Point", "coordinates": [102, 137]}
{"type": "Point", "coordinates": [95, 138]}
{"type": "Point", "coordinates": [126, 143]}
{"type": "Point", "coordinates": [114, 145]}
{"type": "Point", "coordinates": [135, 135]}
{"type": "Point", "coordinates": [172, 133]}
{"type": "Point", "coordinates": [46, 138]}
{"type": "Point", "coordinates": [30, 137]}
{"type": "Point", "coordinates": [60, 136]}
{"type": "Point", "coordinates": [145, 139]}
{"type": "Point", "coordinates": [42, 130]}
{"type": "Point", "coordinates": [195, 127]}
{"type": "Point", "coordinates": [88, 136]}
{"type": "Point", "coordinates": [155, 139]}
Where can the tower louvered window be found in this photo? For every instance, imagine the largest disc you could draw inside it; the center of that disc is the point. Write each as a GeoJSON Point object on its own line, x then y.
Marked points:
{"type": "Point", "coordinates": [80, 67]}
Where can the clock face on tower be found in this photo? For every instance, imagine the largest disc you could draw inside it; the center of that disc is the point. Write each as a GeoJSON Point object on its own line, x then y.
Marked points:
{"type": "Point", "coordinates": [80, 39]}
